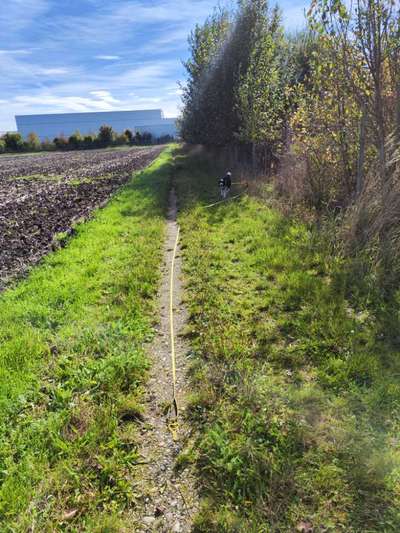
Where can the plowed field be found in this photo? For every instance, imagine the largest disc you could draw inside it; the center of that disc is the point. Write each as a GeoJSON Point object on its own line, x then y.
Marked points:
{"type": "Point", "coordinates": [43, 196]}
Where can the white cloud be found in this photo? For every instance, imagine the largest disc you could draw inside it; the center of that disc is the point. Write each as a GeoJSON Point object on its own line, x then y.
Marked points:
{"type": "Point", "coordinates": [147, 100]}
{"type": "Point", "coordinates": [113, 22]}
{"type": "Point", "coordinates": [53, 71]}
{"type": "Point", "coordinates": [167, 41]}
{"type": "Point", "coordinates": [47, 101]}
{"type": "Point", "coordinates": [146, 75]}
{"type": "Point", "coordinates": [164, 11]}
{"type": "Point", "coordinates": [124, 54]}
{"type": "Point", "coordinates": [101, 94]}
{"type": "Point", "coordinates": [79, 100]}
{"type": "Point", "coordinates": [144, 85]}
{"type": "Point", "coordinates": [17, 73]}
{"type": "Point", "coordinates": [16, 52]}
{"type": "Point", "coordinates": [105, 96]}
{"type": "Point", "coordinates": [107, 58]}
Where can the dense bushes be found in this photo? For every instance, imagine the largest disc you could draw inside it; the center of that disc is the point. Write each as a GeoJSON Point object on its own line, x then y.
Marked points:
{"type": "Point", "coordinates": [61, 143]}
{"type": "Point", "coordinates": [107, 137]}
{"type": "Point", "coordinates": [13, 142]}
{"type": "Point", "coordinates": [318, 112]}
{"type": "Point", "coordinates": [32, 142]}
{"type": "Point", "coordinates": [75, 141]}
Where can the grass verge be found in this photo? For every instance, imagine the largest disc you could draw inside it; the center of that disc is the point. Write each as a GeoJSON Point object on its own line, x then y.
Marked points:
{"type": "Point", "coordinates": [72, 367]}
{"type": "Point", "coordinates": [297, 388]}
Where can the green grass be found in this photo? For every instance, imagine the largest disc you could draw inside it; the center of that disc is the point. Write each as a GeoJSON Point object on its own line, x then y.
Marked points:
{"type": "Point", "coordinates": [72, 365]}
{"type": "Point", "coordinates": [296, 385]}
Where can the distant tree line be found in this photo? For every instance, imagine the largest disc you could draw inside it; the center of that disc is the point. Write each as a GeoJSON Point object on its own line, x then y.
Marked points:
{"type": "Point", "coordinates": [106, 137]}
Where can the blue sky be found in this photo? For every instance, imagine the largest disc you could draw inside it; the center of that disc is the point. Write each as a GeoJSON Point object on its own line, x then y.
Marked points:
{"type": "Point", "coordinates": [90, 55]}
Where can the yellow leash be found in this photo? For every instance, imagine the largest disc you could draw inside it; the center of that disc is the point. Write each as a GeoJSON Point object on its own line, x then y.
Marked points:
{"type": "Point", "coordinates": [232, 197]}
{"type": "Point", "coordinates": [223, 201]}
{"type": "Point", "coordinates": [173, 420]}
{"type": "Point", "coordinates": [173, 423]}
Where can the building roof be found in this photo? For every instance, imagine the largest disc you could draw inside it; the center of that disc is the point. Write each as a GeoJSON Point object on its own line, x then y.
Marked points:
{"type": "Point", "coordinates": [153, 114]}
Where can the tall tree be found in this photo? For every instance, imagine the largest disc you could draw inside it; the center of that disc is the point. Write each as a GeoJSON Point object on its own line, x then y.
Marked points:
{"type": "Point", "coordinates": [261, 92]}
{"type": "Point", "coordinates": [365, 40]}
{"type": "Point", "coordinates": [199, 95]}
{"type": "Point", "coordinates": [222, 52]}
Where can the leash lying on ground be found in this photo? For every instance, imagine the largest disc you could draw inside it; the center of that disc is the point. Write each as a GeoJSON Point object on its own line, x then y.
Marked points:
{"type": "Point", "coordinates": [231, 197]}
{"type": "Point", "coordinates": [223, 201]}
{"type": "Point", "coordinates": [173, 420]}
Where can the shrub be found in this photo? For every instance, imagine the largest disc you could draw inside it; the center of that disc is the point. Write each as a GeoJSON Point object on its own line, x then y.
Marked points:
{"type": "Point", "coordinates": [121, 140]}
{"type": "Point", "coordinates": [129, 136]}
{"type": "Point", "coordinates": [164, 139]}
{"type": "Point", "coordinates": [61, 143]}
{"type": "Point", "coordinates": [75, 141]}
{"type": "Point", "coordinates": [147, 138]}
{"type": "Point", "coordinates": [13, 142]}
{"type": "Point", "coordinates": [2, 146]}
{"type": "Point", "coordinates": [138, 138]}
{"type": "Point", "coordinates": [89, 141]}
{"type": "Point", "coordinates": [32, 142]}
{"type": "Point", "coordinates": [106, 135]}
{"type": "Point", "coordinates": [47, 145]}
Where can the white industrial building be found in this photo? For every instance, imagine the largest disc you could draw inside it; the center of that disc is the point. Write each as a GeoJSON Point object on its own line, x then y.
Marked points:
{"type": "Point", "coordinates": [56, 125]}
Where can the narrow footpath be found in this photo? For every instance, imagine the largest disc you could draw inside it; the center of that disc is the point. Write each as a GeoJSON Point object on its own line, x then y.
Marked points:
{"type": "Point", "coordinates": [170, 500]}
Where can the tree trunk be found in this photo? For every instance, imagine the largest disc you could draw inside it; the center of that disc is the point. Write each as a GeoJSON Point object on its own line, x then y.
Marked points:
{"type": "Point", "coordinates": [361, 152]}
{"type": "Point", "coordinates": [398, 109]}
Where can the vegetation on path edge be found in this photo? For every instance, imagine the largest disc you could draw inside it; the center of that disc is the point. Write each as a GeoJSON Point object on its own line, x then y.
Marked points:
{"type": "Point", "coordinates": [295, 373]}
{"type": "Point", "coordinates": [296, 390]}
{"type": "Point", "coordinates": [72, 367]}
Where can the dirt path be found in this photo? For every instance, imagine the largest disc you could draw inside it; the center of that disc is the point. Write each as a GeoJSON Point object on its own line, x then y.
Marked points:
{"type": "Point", "coordinates": [170, 499]}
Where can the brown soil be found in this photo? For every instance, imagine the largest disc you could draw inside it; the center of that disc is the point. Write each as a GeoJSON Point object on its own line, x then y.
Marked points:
{"type": "Point", "coordinates": [42, 195]}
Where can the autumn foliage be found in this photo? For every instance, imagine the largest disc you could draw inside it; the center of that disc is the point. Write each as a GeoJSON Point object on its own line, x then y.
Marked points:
{"type": "Point", "coordinates": [318, 112]}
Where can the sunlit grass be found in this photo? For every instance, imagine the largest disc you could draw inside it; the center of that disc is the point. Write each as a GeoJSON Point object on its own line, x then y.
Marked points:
{"type": "Point", "coordinates": [72, 360]}
{"type": "Point", "coordinates": [297, 389]}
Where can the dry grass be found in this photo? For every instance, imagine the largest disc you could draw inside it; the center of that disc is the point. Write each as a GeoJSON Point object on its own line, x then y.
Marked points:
{"type": "Point", "coordinates": [372, 225]}
{"type": "Point", "coordinates": [295, 381]}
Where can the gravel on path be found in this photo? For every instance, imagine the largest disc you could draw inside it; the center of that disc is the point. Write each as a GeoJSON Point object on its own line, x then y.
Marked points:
{"type": "Point", "coordinates": [170, 499]}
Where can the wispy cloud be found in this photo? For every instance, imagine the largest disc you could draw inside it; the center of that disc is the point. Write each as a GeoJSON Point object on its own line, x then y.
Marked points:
{"type": "Point", "coordinates": [16, 52]}
{"type": "Point", "coordinates": [107, 58]}
{"type": "Point", "coordinates": [45, 101]}
{"type": "Point", "coordinates": [18, 15]}
{"type": "Point", "coordinates": [147, 75]}
{"type": "Point", "coordinates": [88, 55]}
{"type": "Point", "coordinates": [105, 96]}
{"type": "Point", "coordinates": [53, 71]}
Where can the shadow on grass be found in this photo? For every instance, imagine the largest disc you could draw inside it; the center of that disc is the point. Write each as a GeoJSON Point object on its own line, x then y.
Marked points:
{"type": "Point", "coordinates": [294, 400]}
